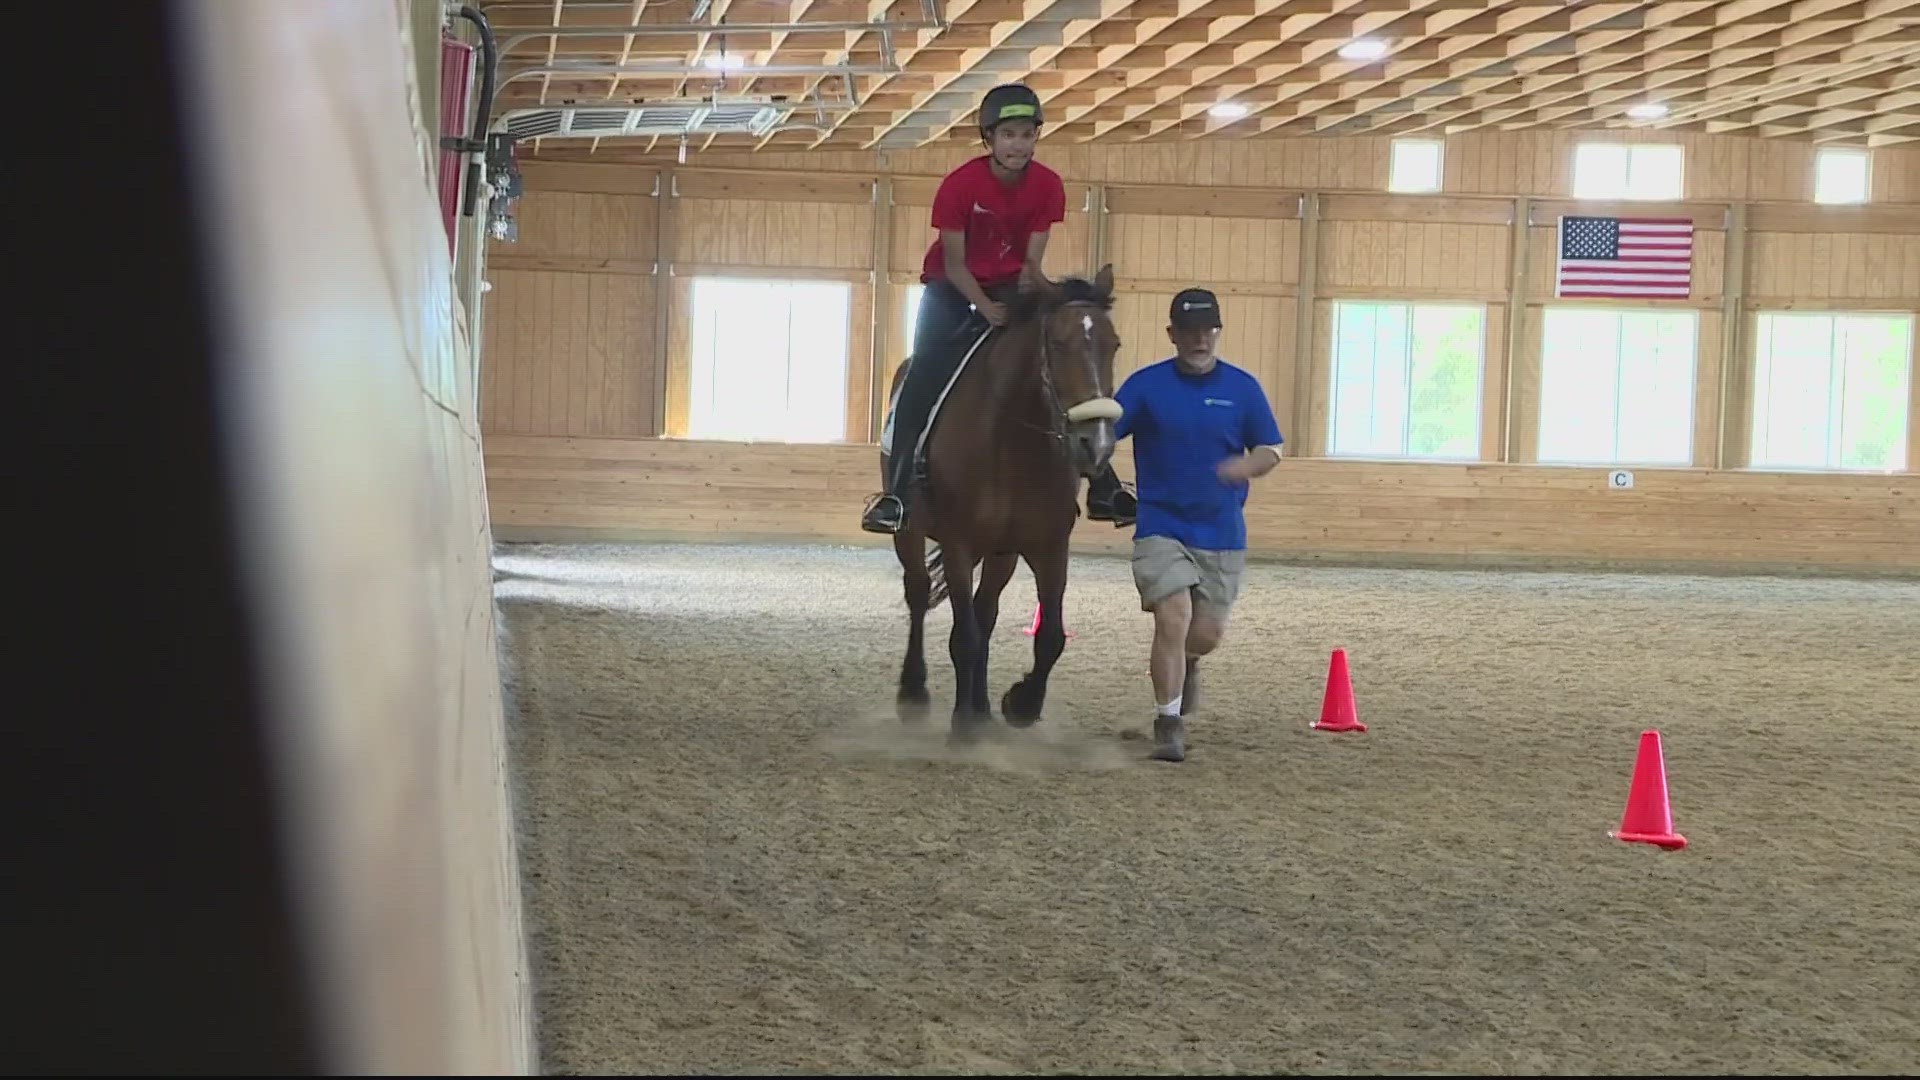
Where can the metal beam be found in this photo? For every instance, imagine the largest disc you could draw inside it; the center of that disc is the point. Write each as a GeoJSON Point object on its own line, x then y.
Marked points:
{"type": "Point", "coordinates": [715, 29]}
{"type": "Point", "coordinates": [579, 70]}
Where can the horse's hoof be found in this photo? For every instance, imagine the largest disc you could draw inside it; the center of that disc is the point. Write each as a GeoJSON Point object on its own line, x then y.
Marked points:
{"type": "Point", "coordinates": [969, 729]}
{"type": "Point", "coordinates": [912, 706]}
{"type": "Point", "coordinates": [1021, 704]}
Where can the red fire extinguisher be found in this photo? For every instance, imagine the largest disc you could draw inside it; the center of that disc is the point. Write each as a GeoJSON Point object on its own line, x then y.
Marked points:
{"type": "Point", "coordinates": [456, 79]}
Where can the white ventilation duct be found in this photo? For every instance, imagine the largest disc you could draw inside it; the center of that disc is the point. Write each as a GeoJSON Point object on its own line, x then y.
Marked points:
{"type": "Point", "coordinates": [662, 118]}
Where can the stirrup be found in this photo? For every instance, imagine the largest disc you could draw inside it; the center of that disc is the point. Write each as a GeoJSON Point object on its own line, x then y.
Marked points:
{"type": "Point", "coordinates": [1109, 511]}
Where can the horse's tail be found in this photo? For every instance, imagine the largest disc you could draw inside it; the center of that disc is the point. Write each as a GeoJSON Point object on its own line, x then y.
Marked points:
{"type": "Point", "coordinates": [937, 570]}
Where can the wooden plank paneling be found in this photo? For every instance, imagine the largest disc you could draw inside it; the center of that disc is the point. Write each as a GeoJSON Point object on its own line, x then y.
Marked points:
{"type": "Point", "coordinates": [1306, 507]}
{"type": "Point", "coordinates": [569, 354]}
{"type": "Point", "coordinates": [1212, 251]}
{"type": "Point", "coordinates": [583, 226]}
{"type": "Point", "coordinates": [805, 187]}
{"type": "Point", "coordinates": [1873, 267]}
{"type": "Point", "coordinates": [1413, 259]}
{"type": "Point", "coordinates": [1706, 217]}
{"type": "Point", "coordinates": [549, 176]}
{"type": "Point", "coordinates": [1416, 208]}
{"type": "Point", "coordinates": [729, 232]}
{"type": "Point", "coordinates": [1895, 175]}
{"type": "Point", "coordinates": [1204, 202]}
{"type": "Point", "coordinates": [1815, 218]}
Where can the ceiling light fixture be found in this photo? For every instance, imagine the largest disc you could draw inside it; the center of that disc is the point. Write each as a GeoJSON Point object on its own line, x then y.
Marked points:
{"type": "Point", "coordinates": [729, 61]}
{"type": "Point", "coordinates": [1228, 110]}
{"type": "Point", "coordinates": [1650, 111]}
{"type": "Point", "coordinates": [1363, 49]}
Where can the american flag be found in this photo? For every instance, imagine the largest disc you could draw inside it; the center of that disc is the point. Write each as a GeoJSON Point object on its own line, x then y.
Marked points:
{"type": "Point", "coordinates": [1631, 258]}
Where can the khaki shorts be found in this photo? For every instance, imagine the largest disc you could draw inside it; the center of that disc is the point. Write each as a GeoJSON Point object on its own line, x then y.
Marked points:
{"type": "Point", "coordinates": [1163, 566]}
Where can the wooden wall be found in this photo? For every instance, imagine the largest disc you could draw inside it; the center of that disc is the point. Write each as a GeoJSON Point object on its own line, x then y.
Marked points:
{"type": "Point", "coordinates": [354, 440]}
{"type": "Point", "coordinates": [1281, 229]}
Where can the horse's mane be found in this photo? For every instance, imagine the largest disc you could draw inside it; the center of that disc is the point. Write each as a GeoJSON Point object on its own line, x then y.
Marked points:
{"type": "Point", "coordinates": [1026, 305]}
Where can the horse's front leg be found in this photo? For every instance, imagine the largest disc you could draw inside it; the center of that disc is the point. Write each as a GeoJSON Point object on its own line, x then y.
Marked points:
{"type": "Point", "coordinates": [1024, 700]}
{"type": "Point", "coordinates": [994, 574]}
{"type": "Point", "coordinates": [963, 644]}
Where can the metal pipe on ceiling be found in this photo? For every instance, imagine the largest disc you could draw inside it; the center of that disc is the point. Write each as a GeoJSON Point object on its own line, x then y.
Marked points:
{"type": "Point", "coordinates": [591, 70]}
{"type": "Point", "coordinates": [520, 35]}
{"type": "Point", "coordinates": [817, 105]}
{"type": "Point", "coordinates": [934, 19]}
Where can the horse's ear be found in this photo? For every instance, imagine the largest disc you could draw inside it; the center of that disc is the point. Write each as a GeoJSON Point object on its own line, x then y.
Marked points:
{"type": "Point", "coordinates": [1103, 281]}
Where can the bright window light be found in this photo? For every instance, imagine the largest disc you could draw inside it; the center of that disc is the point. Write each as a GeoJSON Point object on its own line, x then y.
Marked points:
{"type": "Point", "coordinates": [769, 360]}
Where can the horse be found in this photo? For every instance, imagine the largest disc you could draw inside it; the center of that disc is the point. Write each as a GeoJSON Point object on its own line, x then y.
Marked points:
{"type": "Point", "coordinates": [1030, 415]}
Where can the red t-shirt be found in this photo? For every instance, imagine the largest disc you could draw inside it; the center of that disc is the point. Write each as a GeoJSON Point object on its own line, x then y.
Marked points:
{"type": "Point", "coordinates": [997, 219]}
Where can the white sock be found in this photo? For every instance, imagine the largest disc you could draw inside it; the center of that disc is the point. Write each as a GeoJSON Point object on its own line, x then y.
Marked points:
{"type": "Point", "coordinates": [1171, 708]}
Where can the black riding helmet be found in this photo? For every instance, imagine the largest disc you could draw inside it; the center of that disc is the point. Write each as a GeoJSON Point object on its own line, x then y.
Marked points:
{"type": "Point", "coordinates": [1009, 102]}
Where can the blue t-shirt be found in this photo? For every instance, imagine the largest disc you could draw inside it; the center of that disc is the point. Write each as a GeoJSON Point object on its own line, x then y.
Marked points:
{"type": "Point", "coordinates": [1183, 426]}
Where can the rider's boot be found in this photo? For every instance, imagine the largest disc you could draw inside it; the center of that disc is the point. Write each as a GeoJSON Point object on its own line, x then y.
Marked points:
{"type": "Point", "coordinates": [1109, 500]}
{"type": "Point", "coordinates": [887, 513]}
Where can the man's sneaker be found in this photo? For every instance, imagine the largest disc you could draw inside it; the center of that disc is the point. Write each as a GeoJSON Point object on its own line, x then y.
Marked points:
{"type": "Point", "coordinates": [1169, 738]}
{"type": "Point", "coordinates": [884, 514]}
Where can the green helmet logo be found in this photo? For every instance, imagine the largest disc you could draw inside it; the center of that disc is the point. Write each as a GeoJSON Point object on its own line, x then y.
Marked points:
{"type": "Point", "coordinates": [1010, 102]}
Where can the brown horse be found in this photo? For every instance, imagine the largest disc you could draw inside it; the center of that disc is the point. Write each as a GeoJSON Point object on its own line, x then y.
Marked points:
{"type": "Point", "coordinates": [1031, 414]}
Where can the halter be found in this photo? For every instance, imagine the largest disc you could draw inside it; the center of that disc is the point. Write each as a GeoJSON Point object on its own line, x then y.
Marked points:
{"type": "Point", "coordinates": [1060, 416]}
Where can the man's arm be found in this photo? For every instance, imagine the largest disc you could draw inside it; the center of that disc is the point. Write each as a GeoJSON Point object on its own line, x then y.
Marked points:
{"type": "Point", "coordinates": [1260, 435]}
{"type": "Point", "coordinates": [1131, 403]}
{"type": "Point", "coordinates": [1265, 458]}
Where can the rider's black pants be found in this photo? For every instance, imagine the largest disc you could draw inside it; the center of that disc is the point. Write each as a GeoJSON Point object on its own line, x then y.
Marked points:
{"type": "Point", "coordinates": [938, 345]}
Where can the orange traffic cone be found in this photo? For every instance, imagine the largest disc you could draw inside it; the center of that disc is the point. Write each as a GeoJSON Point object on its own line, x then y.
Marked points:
{"type": "Point", "coordinates": [1035, 627]}
{"type": "Point", "coordinates": [1337, 711]}
{"type": "Point", "coordinates": [1648, 818]}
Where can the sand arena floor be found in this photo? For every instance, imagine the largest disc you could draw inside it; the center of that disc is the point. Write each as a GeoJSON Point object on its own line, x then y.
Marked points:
{"type": "Point", "coordinates": [738, 860]}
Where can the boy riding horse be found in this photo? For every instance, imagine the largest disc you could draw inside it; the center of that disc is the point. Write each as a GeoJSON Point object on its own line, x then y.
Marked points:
{"type": "Point", "coordinates": [993, 214]}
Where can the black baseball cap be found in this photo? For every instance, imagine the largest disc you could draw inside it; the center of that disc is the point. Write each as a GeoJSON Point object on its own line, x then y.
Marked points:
{"type": "Point", "coordinates": [1194, 309]}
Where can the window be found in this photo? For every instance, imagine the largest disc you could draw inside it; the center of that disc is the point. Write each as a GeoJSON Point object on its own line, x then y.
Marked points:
{"type": "Point", "coordinates": [1616, 387]}
{"type": "Point", "coordinates": [769, 360]}
{"type": "Point", "coordinates": [1406, 380]}
{"type": "Point", "coordinates": [1620, 171]}
{"type": "Point", "coordinates": [1840, 176]}
{"type": "Point", "coordinates": [911, 317]}
{"type": "Point", "coordinates": [1830, 391]}
{"type": "Point", "coordinates": [1416, 165]}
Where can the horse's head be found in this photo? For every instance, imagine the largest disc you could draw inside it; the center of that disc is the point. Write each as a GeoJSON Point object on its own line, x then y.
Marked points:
{"type": "Point", "coordinates": [1077, 343]}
